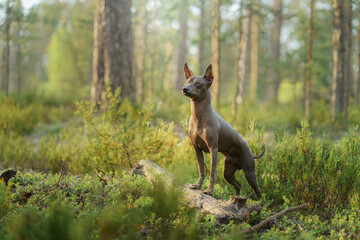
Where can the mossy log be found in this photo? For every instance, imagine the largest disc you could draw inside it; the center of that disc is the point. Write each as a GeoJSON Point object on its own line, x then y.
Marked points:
{"type": "Point", "coordinates": [224, 211]}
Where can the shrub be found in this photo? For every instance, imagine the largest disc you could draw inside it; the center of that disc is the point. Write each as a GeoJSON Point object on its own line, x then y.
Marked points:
{"type": "Point", "coordinates": [15, 151]}
{"type": "Point", "coordinates": [17, 119]}
{"type": "Point", "coordinates": [306, 169]}
{"type": "Point", "coordinates": [119, 135]}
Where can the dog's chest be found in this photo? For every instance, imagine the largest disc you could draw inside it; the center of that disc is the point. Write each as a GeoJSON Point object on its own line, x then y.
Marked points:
{"type": "Point", "coordinates": [197, 137]}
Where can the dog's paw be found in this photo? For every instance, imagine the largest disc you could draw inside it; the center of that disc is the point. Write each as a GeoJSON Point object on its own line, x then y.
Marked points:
{"type": "Point", "coordinates": [209, 192]}
{"type": "Point", "coordinates": [195, 186]}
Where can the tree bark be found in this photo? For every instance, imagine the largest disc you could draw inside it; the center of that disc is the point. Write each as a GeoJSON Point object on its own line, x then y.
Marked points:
{"type": "Point", "coordinates": [244, 28]}
{"type": "Point", "coordinates": [19, 15]}
{"type": "Point", "coordinates": [18, 63]}
{"type": "Point", "coordinates": [308, 67]}
{"type": "Point", "coordinates": [254, 52]}
{"type": "Point", "coordinates": [215, 53]}
{"type": "Point", "coordinates": [6, 49]}
{"type": "Point", "coordinates": [182, 49]}
{"type": "Point", "coordinates": [119, 46]}
{"type": "Point", "coordinates": [357, 85]}
{"type": "Point", "coordinates": [348, 77]}
{"type": "Point", "coordinates": [112, 54]}
{"type": "Point", "coordinates": [201, 31]}
{"type": "Point", "coordinates": [153, 60]}
{"type": "Point", "coordinates": [274, 73]}
{"type": "Point", "coordinates": [144, 48]}
{"type": "Point", "coordinates": [98, 81]}
{"type": "Point", "coordinates": [338, 55]}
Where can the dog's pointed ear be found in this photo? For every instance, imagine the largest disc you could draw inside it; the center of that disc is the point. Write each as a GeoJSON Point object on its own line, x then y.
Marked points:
{"type": "Point", "coordinates": [209, 75]}
{"type": "Point", "coordinates": [188, 72]}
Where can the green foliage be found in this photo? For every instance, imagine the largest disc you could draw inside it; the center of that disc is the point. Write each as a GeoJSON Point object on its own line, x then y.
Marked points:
{"type": "Point", "coordinates": [62, 70]}
{"type": "Point", "coordinates": [17, 119]}
{"type": "Point", "coordinates": [306, 169]}
{"type": "Point", "coordinates": [15, 151]}
{"type": "Point", "coordinates": [83, 207]}
{"type": "Point", "coordinates": [4, 199]}
{"type": "Point", "coordinates": [120, 135]}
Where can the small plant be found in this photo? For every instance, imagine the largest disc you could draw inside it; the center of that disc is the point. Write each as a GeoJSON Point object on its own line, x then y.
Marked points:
{"type": "Point", "coordinates": [18, 119]}
{"type": "Point", "coordinates": [119, 135]}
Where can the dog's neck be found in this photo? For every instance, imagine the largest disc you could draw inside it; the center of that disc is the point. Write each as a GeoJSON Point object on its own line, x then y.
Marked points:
{"type": "Point", "coordinates": [201, 108]}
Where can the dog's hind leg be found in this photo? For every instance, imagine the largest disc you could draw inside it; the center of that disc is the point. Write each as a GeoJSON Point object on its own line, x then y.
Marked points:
{"type": "Point", "coordinates": [229, 174]}
{"type": "Point", "coordinates": [251, 178]}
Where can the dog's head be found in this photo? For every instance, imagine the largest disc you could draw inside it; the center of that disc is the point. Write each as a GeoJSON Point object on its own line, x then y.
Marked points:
{"type": "Point", "coordinates": [196, 87]}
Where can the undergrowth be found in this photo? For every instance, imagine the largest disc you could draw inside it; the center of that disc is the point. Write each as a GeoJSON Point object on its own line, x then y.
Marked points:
{"type": "Point", "coordinates": [80, 188]}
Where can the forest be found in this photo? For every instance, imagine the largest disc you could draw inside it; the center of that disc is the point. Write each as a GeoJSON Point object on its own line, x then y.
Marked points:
{"type": "Point", "coordinates": [89, 89]}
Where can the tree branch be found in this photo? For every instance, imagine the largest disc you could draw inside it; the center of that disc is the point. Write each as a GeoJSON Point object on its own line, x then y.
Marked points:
{"type": "Point", "coordinates": [277, 215]}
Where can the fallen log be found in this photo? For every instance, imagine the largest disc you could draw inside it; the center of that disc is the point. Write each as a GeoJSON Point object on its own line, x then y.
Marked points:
{"type": "Point", "coordinates": [224, 211]}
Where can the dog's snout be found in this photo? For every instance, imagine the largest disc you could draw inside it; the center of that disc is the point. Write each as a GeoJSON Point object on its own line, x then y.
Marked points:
{"type": "Point", "coordinates": [185, 90]}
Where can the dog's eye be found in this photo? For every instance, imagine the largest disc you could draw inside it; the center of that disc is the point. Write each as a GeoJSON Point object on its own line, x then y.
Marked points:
{"type": "Point", "coordinates": [197, 84]}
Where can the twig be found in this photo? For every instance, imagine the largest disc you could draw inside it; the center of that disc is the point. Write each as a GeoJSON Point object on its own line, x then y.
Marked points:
{"type": "Point", "coordinates": [54, 191]}
{"type": "Point", "coordinates": [100, 196]}
{"type": "Point", "coordinates": [314, 210]}
{"type": "Point", "coordinates": [58, 185]}
{"type": "Point", "coordinates": [283, 212]}
{"type": "Point", "coordinates": [102, 180]}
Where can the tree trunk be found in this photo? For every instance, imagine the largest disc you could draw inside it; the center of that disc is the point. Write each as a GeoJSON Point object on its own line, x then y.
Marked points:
{"type": "Point", "coordinates": [308, 67]}
{"type": "Point", "coordinates": [6, 49]}
{"type": "Point", "coordinates": [144, 48]}
{"type": "Point", "coordinates": [119, 46]}
{"type": "Point", "coordinates": [338, 55]}
{"type": "Point", "coordinates": [348, 82]}
{"type": "Point", "coordinates": [112, 49]}
{"type": "Point", "coordinates": [181, 54]}
{"type": "Point", "coordinates": [153, 61]}
{"type": "Point", "coordinates": [357, 85]}
{"type": "Point", "coordinates": [18, 42]}
{"type": "Point", "coordinates": [254, 52]}
{"type": "Point", "coordinates": [274, 73]}
{"type": "Point", "coordinates": [201, 31]}
{"type": "Point", "coordinates": [215, 53]}
{"type": "Point", "coordinates": [98, 74]}
{"type": "Point", "coordinates": [18, 64]}
{"type": "Point", "coordinates": [244, 29]}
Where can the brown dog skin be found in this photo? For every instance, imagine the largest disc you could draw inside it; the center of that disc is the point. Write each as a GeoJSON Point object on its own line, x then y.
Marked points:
{"type": "Point", "coordinates": [210, 133]}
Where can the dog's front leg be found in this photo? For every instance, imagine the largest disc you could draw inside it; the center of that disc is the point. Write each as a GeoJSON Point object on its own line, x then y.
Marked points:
{"type": "Point", "coordinates": [213, 153]}
{"type": "Point", "coordinates": [200, 161]}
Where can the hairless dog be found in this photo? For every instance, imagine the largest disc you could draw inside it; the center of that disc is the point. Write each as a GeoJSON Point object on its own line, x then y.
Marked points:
{"type": "Point", "coordinates": [210, 133]}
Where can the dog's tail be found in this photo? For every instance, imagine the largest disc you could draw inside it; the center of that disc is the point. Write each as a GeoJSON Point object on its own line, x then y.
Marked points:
{"type": "Point", "coordinates": [257, 157]}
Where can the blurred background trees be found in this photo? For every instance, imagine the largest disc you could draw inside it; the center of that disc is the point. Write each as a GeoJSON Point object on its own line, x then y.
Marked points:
{"type": "Point", "coordinates": [264, 52]}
